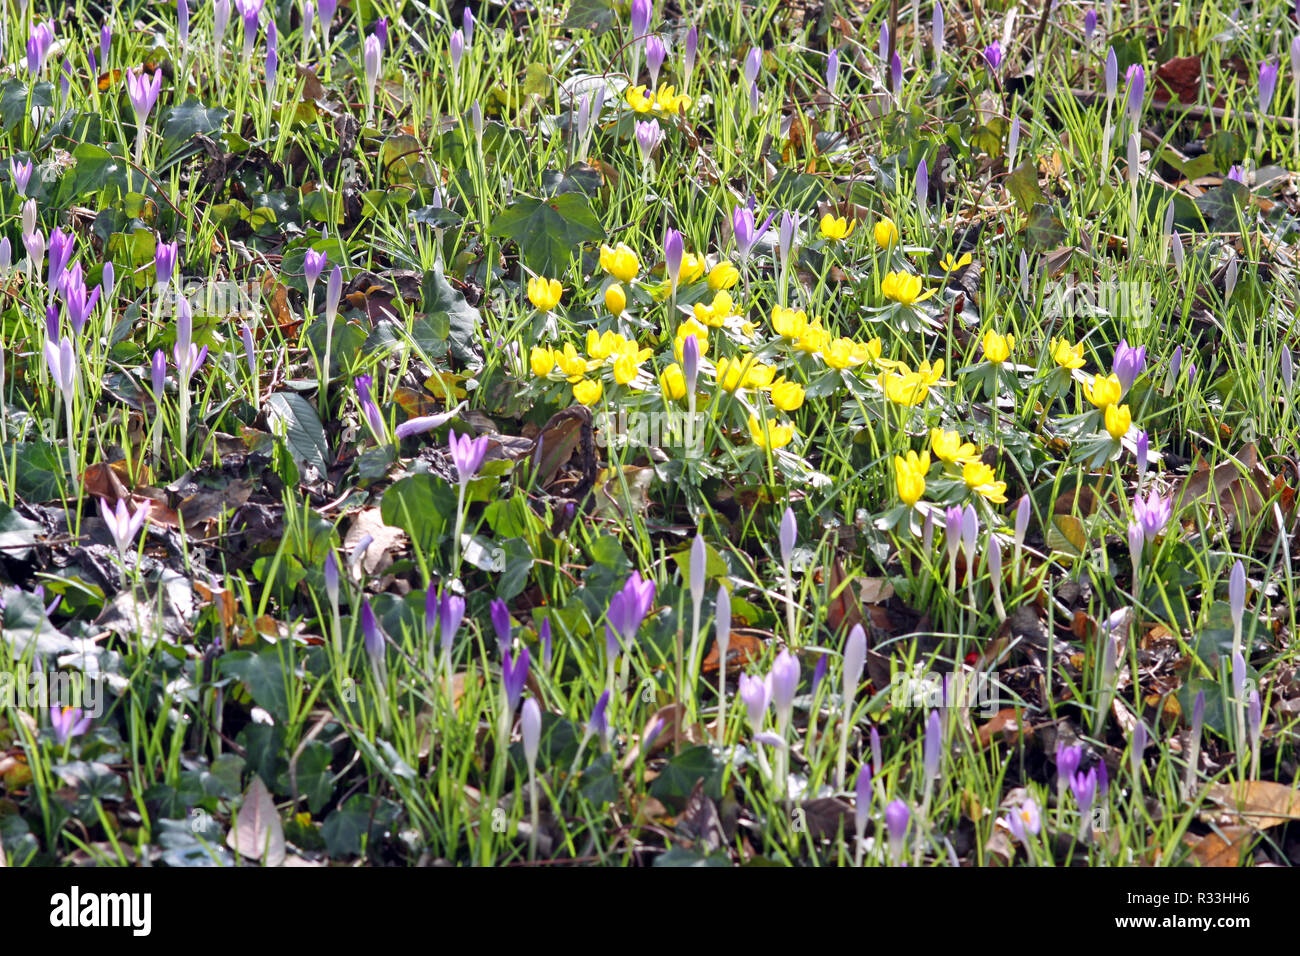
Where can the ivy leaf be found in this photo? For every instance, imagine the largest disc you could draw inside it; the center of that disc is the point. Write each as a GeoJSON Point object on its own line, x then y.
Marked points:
{"type": "Point", "coordinates": [547, 230]}
{"type": "Point", "coordinates": [594, 15]}
{"type": "Point", "coordinates": [186, 120]}
{"type": "Point", "coordinates": [449, 320]}
{"type": "Point", "coordinates": [303, 433]}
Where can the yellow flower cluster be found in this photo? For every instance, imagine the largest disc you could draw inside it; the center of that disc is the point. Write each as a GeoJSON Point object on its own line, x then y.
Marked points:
{"type": "Point", "coordinates": [666, 99]}
{"type": "Point", "coordinates": [904, 387]}
{"type": "Point", "coordinates": [608, 349]}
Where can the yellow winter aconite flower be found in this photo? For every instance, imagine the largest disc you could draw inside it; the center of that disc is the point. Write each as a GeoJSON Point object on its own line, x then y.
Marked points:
{"type": "Point", "coordinates": [997, 347]}
{"type": "Point", "coordinates": [931, 374]}
{"type": "Point", "coordinates": [789, 323]}
{"type": "Point", "coordinates": [903, 288]}
{"type": "Point", "coordinates": [835, 228]}
{"type": "Point", "coordinates": [542, 360]}
{"type": "Point", "coordinates": [950, 449]}
{"type": "Point", "coordinates": [948, 265]}
{"type": "Point", "coordinates": [904, 387]}
{"type": "Point", "coordinates": [909, 476]}
{"type": "Point", "coordinates": [615, 299]}
{"type": "Point", "coordinates": [1103, 391]}
{"type": "Point", "coordinates": [842, 353]}
{"type": "Point", "coordinates": [637, 99]}
{"type": "Point", "coordinates": [743, 372]}
{"type": "Point", "coordinates": [573, 365]}
{"type": "Point", "coordinates": [885, 233]}
{"type": "Point", "coordinates": [620, 262]}
{"type": "Point", "coordinates": [601, 345]}
{"type": "Point", "coordinates": [1118, 419]}
{"type": "Point", "coordinates": [980, 479]}
{"type": "Point", "coordinates": [544, 294]}
{"type": "Point", "coordinates": [1066, 355]}
{"type": "Point", "coordinates": [688, 328]}
{"type": "Point", "coordinates": [813, 339]}
{"type": "Point", "coordinates": [692, 268]}
{"type": "Point", "coordinates": [786, 396]}
{"type": "Point", "coordinates": [770, 434]}
{"type": "Point", "coordinates": [716, 313]}
{"type": "Point", "coordinates": [588, 391]}
{"type": "Point", "coordinates": [723, 276]}
{"type": "Point", "coordinates": [625, 367]}
{"type": "Point", "coordinates": [668, 100]}
{"type": "Point", "coordinates": [672, 382]}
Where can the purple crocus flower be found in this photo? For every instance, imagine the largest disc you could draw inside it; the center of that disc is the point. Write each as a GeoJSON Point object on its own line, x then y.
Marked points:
{"type": "Point", "coordinates": [786, 235]}
{"type": "Point", "coordinates": [1267, 84]}
{"type": "Point", "coordinates": [1143, 453]}
{"type": "Point", "coordinates": [598, 723]}
{"type": "Point", "coordinates": [52, 322]}
{"type": "Point", "coordinates": [1137, 85]}
{"type": "Point", "coordinates": [370, 630]}
{"type": "Point", "coordinates": [514, 674]}
{"type": "Point", "coordinates": [630, 605]}
{"type": "Point", "coordinates": [1237, 593]}
{"type": "Point", "coordinates": [61, 246]}
{"type": "Point", "coordinates": [381, 31]}
{"type": "Point", "coordinates": [1152, 514]}
{"type": "Point", "coordinates": [62, 363]}
{"type": "Point", "coordinates": [544, 638]}
{"type": "Point", "coordinates": [895, 72]}
{"type": "Point", "coordinates": [753, 63]}
{"type": "Point", "coordinates": [1084, 788]}
{"type": "Point", "coordinates": [501, 624]}
{"type": "Point", "coordinates": [1068, 760]}
{"type": "Point", "coordinates": [936, 31]}
{"type": "Point", "coordinates": [371, 55]}
{"type": "Point", "coordinates": [655, 54]}
{"type": "Point", "coordinates": [923, 182]}
{"type": "Point", "coordinates": [952, 530]}
{"type": "Point", "coordinates": [123, 525]}
{"type": "Point", "coordinates": [456, 48]}
{"type": "Point", "coordinates": [1024, 821]}
{"type": "Point", "coordinates": [785, 681]}
{"type": "Point", "coordinates": [272, 56]}
{"type": "Point", "coordinates": [451, 611]}
{"type": "Point", "coordinates": [754, 694]}
{"type": "Point", "coordinates": [39, 41]}
{"type": "Point", "coordinates": [1129, 363]}
{"type": "Point", "coordinates": [745, 230]}
{"type": "Point", "coordinates": [786, 536]}
{"type": "Point", "coordinates": [832, 71]}
{"type": "Point", "coordinates": [68, 722]}
{"type": "Point", "coordinates": [933, 747]}
{"type": "Point", "coordinates": [862, 798]}
{"type": "Point", "coordinates": [691, 363]}
{"type": "Point", "coordinates": [467, 25]}
{"type": "Point", "coordinates": [642, 11]}
{"type": "Point", "coordinates": [1111, 74]}
{"type": "Point", "coordinates": [249, 11]}
{"type": "Point", "coordinates": [105, 42]}
{"type": "Point", "coordinates": [648, 137]}
{"type": "Point", "coordinates": [674, 250]}
{"type": "Point", "coordinates": [366, 400]}
{"type": "Point", "coordinates": [78, 303]}
{"type": "Point", "coordinates": [993, 56]}
{"type": "Point", "coordinates": [421, 424]}
{"type": "Point", "coordinates": [1089, 24]}
{"type": "Point", "coordinates": [21, 174]}
{"type": "Point", "coordinates": [689, 54]}
{"type": "Point", "coordinates": [158, 374]}
{"type": "Point", "coordinates": [313, 264]}
{"type": "Point", "coordinates": [819, 673]}
{"type": "Point", "coordinates": [164, 262]}
{"type": "Point", "coordinates": [183, 20]}
{"type": "Point", "coordinates": [467, 455]}
{"type": "Point", "coordinates": [882, 47]}
{"type": "Point", "coordinates": [220, 21]}
{"type": "Point", "coordinates": [897, 817]}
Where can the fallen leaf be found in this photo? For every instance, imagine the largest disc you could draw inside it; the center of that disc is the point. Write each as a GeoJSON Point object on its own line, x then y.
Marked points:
{"type": "Point", "coordinates": [742, 649]}
{"type": "Point", "coordinates": [257, 832]}
{"type": "Point", "coordinates": [1258, 803]}
{"type": "Point", "coordinates": [1213, 850]}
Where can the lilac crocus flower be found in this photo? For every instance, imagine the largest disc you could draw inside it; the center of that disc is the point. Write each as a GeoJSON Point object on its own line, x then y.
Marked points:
{"type": "Point", "coordinates": [123, 525]}
{"type": "Point", "coordinates": [629, 606]}
{"type": "Point", "coordinates": [786, 537]}
{"type": "Point", "coordinates": [1111, 74]}
{"type": "Point", "coordinates": [1136, 541]}
{"type": "Point", "coordinates": [1068, 760]}
{"type": "Point", "coordinates": [467, 455]}
{"type": "Point", "coordinates": [272, 56]}
{"type": "Point", "coordinates": [936, 31]}
{"type": "Point", "coordinates": [79, 304]}
{"type": "Point", "coordinates": [21, 174]}
{"type": "Point", "coordinates": [862, 799]}
{"type": "Point", "coordinates": [183, 20]}
{"type": "Point", "coordinates": [530, 732]}
{"type": "Point", "coordinates": [648, 137]}
{"type": "Point", "coordinates": [753, 63]}
{"type": "Point", "coordinates": [882, 46]}
{"type": "Point", "coordinates": [1152, 514]}
{"type": "Point", "coordinates": [1024, 821]}
{"type": "Point", "coordinates": [451, 611]}
{"type": "Point", "coordinates": [923, 183]}
{"type": "Point", "coordinates": [369, 409]}
{"type": "Point", "coordinates": [158, 374]}
{"type": "Point", "coordinates": [308, 21]}
{"type": "Point", "coordinates": [1084, 788]}
{"type": "Point", "coordinates": [61, 360]}
{"type": "Point", "coordinates": [1137, 85]}
{"type": "Point", "coordinates": [544, 639]}
{"type": "Point", "coordinates": [674, 250]}
{"type": "Point", "coordinates": [993, 56]}
{"type": "Point", "coordinates": [381, 31]}
{"type": "Point", "coordinates": [164, 263]}
{"type": "Point", "coordinates": [371, 57]}
{"type": "Point", "coordinates": [1267, 84]}
{"type": "Point", "coordinates": [832, 71]}
{"type": "Point", "coordinates": [374, 640]}
{"type": "Point", "coordinates": [313, 264]}
{"type": "Point", "coordinates": [61, 247]}
{"type": "Point", "coordinates": [514, 674]}
{"type": "Point", "coordinates": [689, 54]}
{"type": "Point", "coordinates": [598, 722]}
{"type": "Point", "coordinates": [68, 722]}
{"type": "Point", "coordinates": [456, 48]}
{"type": "Point", "coordinates": [969, 533]}
{"type": "Point", "coordinates": [691, 363]}
{"type": "Point", "coordinates": [642, 11]}
{"type": "Point", "coordinates": [1143, 453]}
{"type": "Point", "coordinates": [220, 21]}
{"type": "Point", "coordinates": [250, 11]}
{"type": "Point", "coordinates": [1089, 24]}
{"type": "Point", "coordinates": [895, 72]}
{"type": "Point", "coordinates": [105, 43]}
{"type": "Point", "coordinates": [745, 230]}
{"type": "Point", "coordinates": [897, 818]}
{"type": "Point", "coordinates": [421, 424]}
{"type": "Point", "coordinates": [326, 10]}
{"type": "Point", "coordinates": [952, 531]}
{"type": "Point", "coordinates": [932, 750]}
{"type": "Point", "coordinates": [39, 41]}
{"type": "Point", "coordinates": [819, 673]}
{"type": "Point", "coordinates": [786, 236]}
{"type": "Point", "coordinates": [467, 25]}
{"type": "Point", "coordinates": [1237, 593]}
{"type": "Point", "coordinates": [655, 54]}
{"type": "Point", "coordinates": [785, 681]}
{"type": "Point", "coordinates": [1129, 363]}
{"type": "Point", "coordinates": [754, 694]}
{"type": "Point", "coordinates": [501, 624]}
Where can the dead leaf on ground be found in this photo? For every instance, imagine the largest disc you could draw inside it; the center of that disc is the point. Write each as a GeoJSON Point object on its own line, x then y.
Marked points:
{"type": "Point", "coordinates": [742, 649]}
{"type": "Point", "coordinates": [257, 832]}
{"type": "Point", "coordinates": [386, 542]}
{"type": "Point", "coordinates": [1004, 725]}
{"type": "Point", "coordinates": [1214, 850]}
{"type": "Point", "coordinates": [1258, 803]}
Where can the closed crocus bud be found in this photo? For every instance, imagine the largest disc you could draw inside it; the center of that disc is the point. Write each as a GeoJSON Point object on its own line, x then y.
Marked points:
{"type": "Point", "coordinates": [952, 530]}
{"type": "Point", "coordinates": [451, 611]}
{"type": "Point", "coordinates": [689, 54]}
{"type": "Point", "coordinates": [158, 374]}
{"type": "Point", "coordinates": [1138, 746]}
{"type": "Point", "coordinates": [456, 48]}
{"type": "Point", "coordinates": [272, 55]}
{"type": "Point", "coordinates": [1137, 85]}
{"type": "Point", "coordinates": [722, 624]}
{"type": "Point", "coordinates": [786, 236]}
{"type": "Point", "coordinates": [754, 695]}
{"type": "Point", "coordinates": [896, 72]}
{"type": "Point", "coordinates": [1136, 539]}
{"type": "Point", "coordinates": [933, 746]}
{"type": "Point", "coordinates": [1267, 84]}
{"type": "Point", "coordinates": [785, 680]}
{"type": "Point", "coordinates": [1176, 251]}
{"type": "Point", "coordinates": [897, 817]}
{"type": "Point", "coordinates": [1089, 24]}
{"type": "Point", "coordinates": [862, 799]}
{"type": "Point", "coordinates": [855, 657]}
{"type": "Point", "coordinates": [882, 47]}
{"type": "Point", "coordinates": [936, 31]}
{"type": "Point", "coordinates": [969, 531]}
{"type": "Point", "coordinates": [697, 569]}
{"type": "Point", "coordinates": [1013, 140]}
{"type": "Point", "coordinates": [6, 255]}
{"type": "Point", "coordinates": [1022, 520]}
{"type": "Point", "coordinates": [832, 71]}
{"type": "Point", "coordinates": [370, 630]}
{"type": "Point", "coordinates": [1284, 366]}
{"type": "Point", "coordinates": [371, 55]}
{"type": "Point", "coordinates": [531, 731]}
{"type": "Point", "coordinates": [642, 11]}
{"type": "Point", "coordinates": [691, 362]}
{"type": "Point", "coordinates": [789, 531]}
{"type": "Point", "coordinates": [995, 561]}
{"type": "Point", "coordinates": [467, 25]}
{"type": "Point", "coordinates": [331, 573]}
{"type": "Point", "coordinates": [1143, 452]}
{"type": "Point", "coordinates": [1112, 74]}
{"type": "Point", "coordinates": [1237, 593]}
{"type": "Point", "coordinates": [655, 54]}
{"type": "Point", "coordinates": [333, 293]}
{"type": "Point", "coordinates": [753, 63]}
{"type": "Point", "coordinates": [107, 280]}
{"type": "Point", "coordinates": [544, 638]}
{"type": "Point", "coordinates": [1238, 674]}
{"type": "Point", "coordinates": [674, 250]}
{"type": "Point", "coordinates": [922, 184]}
{"type": "Point", "coordinates": [501, 624]}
